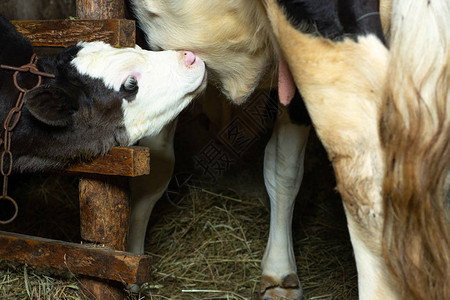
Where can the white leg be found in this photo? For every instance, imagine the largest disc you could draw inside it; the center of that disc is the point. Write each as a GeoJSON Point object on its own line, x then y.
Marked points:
{"type": "Point", "coordinates": [373, 282]}
{"type": "Point", "coordinates": [146, 190]}
{"type": "Point", "coordinates": [283, 173]}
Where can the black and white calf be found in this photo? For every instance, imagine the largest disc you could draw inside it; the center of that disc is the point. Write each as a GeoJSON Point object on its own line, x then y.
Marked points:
{"type": "Point", "coordinates": [100, 97]}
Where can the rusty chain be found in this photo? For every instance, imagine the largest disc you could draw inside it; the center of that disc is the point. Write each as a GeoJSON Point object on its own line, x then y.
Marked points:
{"type": "Point", "coordinates": [10, 123]}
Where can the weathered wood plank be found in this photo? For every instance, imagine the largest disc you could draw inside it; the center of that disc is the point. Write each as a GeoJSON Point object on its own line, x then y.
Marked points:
{"type": "Point", "coordinates": [63, 33]}
{"type": "Point", "coordinates": [105, 210]}
{"type": "Point", "coordinates": [100, 9]}
{"type": "Point", "coordinates": [121, 161]}
{"type": "Point", "coordinates": [76, 258]}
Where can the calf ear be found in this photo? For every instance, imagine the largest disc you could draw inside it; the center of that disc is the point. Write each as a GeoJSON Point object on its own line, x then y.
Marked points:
{"type": "Point", "coordinates": [51, 105]}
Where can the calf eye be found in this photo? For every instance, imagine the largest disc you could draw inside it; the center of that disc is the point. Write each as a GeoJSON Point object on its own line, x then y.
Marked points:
{"type": "Point", "coordinates": [130, 84]}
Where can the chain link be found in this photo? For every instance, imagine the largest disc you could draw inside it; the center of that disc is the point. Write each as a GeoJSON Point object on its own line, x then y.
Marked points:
{"type": "Point", "coordinates": [13, 117]}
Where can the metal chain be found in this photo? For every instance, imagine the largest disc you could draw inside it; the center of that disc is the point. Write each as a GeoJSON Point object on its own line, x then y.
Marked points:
{"type": "Point", "coordinates": [13, 117]}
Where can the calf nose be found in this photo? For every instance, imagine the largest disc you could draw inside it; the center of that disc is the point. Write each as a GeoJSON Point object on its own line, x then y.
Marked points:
{"type": "Point", "coordinates": [189, 58]}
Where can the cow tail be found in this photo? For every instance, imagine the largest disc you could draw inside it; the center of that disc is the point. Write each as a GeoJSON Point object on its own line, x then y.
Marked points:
{"type": "Point", "coordinates": [415, 133]}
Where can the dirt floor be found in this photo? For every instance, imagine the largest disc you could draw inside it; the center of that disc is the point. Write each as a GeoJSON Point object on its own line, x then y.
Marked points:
{"type": "Point", "coordinates": [208, 233]}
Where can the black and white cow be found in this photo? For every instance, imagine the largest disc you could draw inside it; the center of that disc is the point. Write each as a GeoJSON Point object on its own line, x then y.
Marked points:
{"type": "Point", "coordinates": [100, 97]}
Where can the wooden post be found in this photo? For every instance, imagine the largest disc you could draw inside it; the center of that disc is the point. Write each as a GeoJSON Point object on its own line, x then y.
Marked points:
{"type": "Point", "coordinates": [100, 9]}
{"type": "Point", "coordinates": [105, 210]}
{"type": "Point", "coordinates": [104, 201]}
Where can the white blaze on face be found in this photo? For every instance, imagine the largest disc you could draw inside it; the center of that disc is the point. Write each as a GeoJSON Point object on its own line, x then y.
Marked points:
{"type": "Point", "coordinates": [167, 82]}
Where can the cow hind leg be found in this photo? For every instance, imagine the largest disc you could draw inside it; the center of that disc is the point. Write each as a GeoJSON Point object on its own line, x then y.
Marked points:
{"type": "Point", "coordinates": [283, 173]}
{"type": "Point", "coordinates": [343, 87]}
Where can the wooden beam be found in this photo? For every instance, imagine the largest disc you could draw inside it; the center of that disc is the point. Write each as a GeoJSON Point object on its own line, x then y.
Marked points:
{"type": "Point", "coordinates": [63, 33]}
{"type": "Point", "coordinates": [121, 161]}
{"type": "Point", "coordinates": [75, 258]}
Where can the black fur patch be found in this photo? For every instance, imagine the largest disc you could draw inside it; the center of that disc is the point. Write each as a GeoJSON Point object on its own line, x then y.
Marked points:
{"type": "Point", "coordinates": [322, 14]}
{"type": "Point", "coordinates": [335, 18]}
{"type": "Point", "coordinates": [361, 17]}
{"type": "Point", "coordinates": [297, 110]}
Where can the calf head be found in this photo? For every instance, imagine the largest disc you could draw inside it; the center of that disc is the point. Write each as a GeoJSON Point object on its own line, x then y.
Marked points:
{"type": "Point", "coordinates": [100, 97]}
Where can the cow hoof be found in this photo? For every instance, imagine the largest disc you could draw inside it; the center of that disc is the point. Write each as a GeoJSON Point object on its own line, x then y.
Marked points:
{"type": "Point", "coordinates": [288, 288]}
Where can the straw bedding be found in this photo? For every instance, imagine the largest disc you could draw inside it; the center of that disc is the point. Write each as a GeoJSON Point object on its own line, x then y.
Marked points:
{"type": "Point", "coordinates": [206, 237]}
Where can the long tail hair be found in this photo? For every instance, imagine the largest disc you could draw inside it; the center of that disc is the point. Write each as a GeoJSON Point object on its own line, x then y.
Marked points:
{"type": "Point", "coordinates": [415, 133]}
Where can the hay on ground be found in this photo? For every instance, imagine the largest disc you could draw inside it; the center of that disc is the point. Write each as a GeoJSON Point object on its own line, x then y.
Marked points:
{"type": "Point", "coordinates": [206, 239]}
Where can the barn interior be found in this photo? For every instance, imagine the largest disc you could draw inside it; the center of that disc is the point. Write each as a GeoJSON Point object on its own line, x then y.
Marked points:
{"type": "Point", "coordinates": [208, 233]}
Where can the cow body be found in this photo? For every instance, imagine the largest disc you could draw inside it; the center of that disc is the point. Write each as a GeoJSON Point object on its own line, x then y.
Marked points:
{"type": "Point", "coordinates": [100, 97]}
{"type": "Point", "coordinates": [236, 41]}
{"type": "Point", "coordinates": [240, 43]}
{"type": "Point", "coordinates": [343, 83]}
